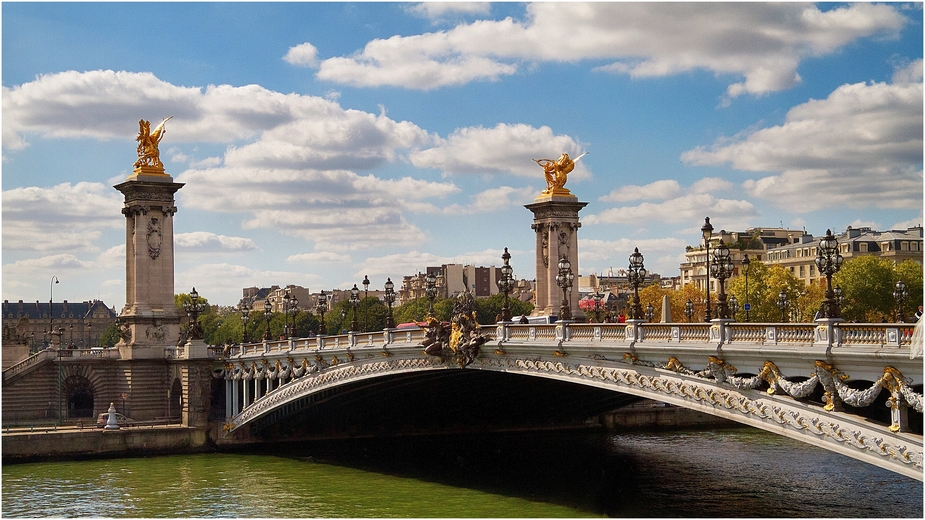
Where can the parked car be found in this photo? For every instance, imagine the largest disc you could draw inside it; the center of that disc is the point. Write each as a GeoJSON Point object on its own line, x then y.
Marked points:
{"type": "Point", "coordinates": [121, 420]}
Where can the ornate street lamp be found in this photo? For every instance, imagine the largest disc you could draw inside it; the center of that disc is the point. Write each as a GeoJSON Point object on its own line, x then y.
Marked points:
{"type": "Point", "coordinates": [564, 280]}
{"type": "Point", "coordinates": [366, 309]}
{"type": "Point", "coordinates": [707, 230]}
{"type": "Point", "coordinates": [193, 309]}
{"type": "Point", "coordinates": [354, 302]}
{"type": "Point", "coordinates": [598, 297]}
{"type": "Point", "coordinates": [839, 296]}
{"type": "Point", "coordinates": [389, 300]}
{"type": "Point", "coordinates": [900, 294]}
{"type": "Point", "coordinates": [506, 284]}
{"type": "Point", "coordinates": [828, 261]}
{"type": "Point", "coordinates": [430, 290]}
{"type": "Point", "coordinates": [745, 265]}
{"type": "Point", "coordinates": [636, 275]}
{"type": "Point", "coordinates": [267, 313]}
{"type": "Point", "coordinates": [245, 317]}
{"type": "Point", "coordinates": [650, 312]}
{"type": "Point", "coordinates": [293, 311]}
{"type": "Point", "coordinates": [722, 268]}
{"type": "Point", "coordinates": [733, 306]}
{"type": "Point", "coordinates": [51, 312]}
{"type": "Point", "coordinates": [689, 310]}
{"type": "Point", "coordinates": [783, 303]}
{"type": "Point", "coordinates": [322, 308]}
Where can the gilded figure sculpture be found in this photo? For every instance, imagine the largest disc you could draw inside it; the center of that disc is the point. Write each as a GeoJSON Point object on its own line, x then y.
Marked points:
{"type": "Point", "coordinates": [556, 172]}
{"type": "Point", "coordinates": [148, 153]}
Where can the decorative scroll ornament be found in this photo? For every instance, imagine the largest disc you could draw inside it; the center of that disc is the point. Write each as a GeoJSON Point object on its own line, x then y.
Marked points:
{"type": "Point", "coordinates": [154, 238]}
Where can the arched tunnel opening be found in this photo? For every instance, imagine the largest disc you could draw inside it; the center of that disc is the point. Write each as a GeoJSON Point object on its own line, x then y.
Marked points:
{"type": "Point", "coordinates": [439, 402]}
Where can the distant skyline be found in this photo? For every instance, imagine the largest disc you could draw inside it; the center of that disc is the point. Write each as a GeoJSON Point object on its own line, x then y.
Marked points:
{"type": "Point", "coordinates": [321, 142]}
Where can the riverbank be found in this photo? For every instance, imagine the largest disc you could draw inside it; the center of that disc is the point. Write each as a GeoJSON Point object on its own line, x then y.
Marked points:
{"type": "Point", "coordinates": [49, 443]}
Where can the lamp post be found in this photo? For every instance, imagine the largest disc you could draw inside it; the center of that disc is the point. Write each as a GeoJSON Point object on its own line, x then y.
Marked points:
{"type": "Point", "coordinates": [598, 298]}
{"type": "Point", "coordinates": [70, 342]}
{"type": "Point", "coordinates": [745, 265]}
{"type": "Point", "coordinates": [783, 303]}
{"type": "Point", "coordinates": [839, 296]}
{"type": "Point", "coordinates": [707, 230]}
{"type": "Point", "coordinates": [829, 261]}
{"type": "Point", "coordinates": [354, 302]}
{"type": "Point", "coordinates": [51, 312]}
{"type": "Point", "coordinates": [650, 312]}
{"type": "Point", "coordinates": [389, 300]}
{"type": "Point", "coordinates": [245, 317]}
{"type": "Point", "coordinates": [733, 306]}
{"type": "Point", "coordinates": [689, 310]}
{"type": "Point", "coordinates": [293, 311]}
{"type": "Point", "coordinates": [721, 268]}
{"type": "Point", "coordinates": [267, 313]}
{"type": "Point", "coordinates": [506, 284]}
{"type": "Point", "coordinates": [366, 309]}
{"type": "Point", "coordinates": [431, 291]}
{"type": "Point", "coordinates": [286, 298]}
{"type": "Point", "coordinates": [636, 275]}
{"type": "Point", "coordinates": [322, 307]}
{"type": "Point", "coordinates": [193, 309]}
{"type": "Point", "coordinates": [900, 294]}
{"type": "Point", "coordinates": [564, 280]}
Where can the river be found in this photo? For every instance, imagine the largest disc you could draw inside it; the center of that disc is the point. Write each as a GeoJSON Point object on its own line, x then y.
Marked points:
{"type": "Point", "coordinates": [731, 472]}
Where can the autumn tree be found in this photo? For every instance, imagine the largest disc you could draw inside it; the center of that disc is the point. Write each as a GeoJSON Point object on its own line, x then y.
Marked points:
{"type": "Point", "coordinates": [867, 287]}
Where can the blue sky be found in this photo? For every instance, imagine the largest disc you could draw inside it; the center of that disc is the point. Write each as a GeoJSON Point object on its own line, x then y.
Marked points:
{"type": "Point", "coordinates": [327, 141]}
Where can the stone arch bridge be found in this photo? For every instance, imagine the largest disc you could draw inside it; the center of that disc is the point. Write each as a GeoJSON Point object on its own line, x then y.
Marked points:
{"type": "Point", "coordinates": [855, 389]}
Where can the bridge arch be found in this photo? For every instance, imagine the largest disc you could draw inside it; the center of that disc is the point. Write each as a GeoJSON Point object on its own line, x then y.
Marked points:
{"type": "Point", "coordinates": [79, 395]}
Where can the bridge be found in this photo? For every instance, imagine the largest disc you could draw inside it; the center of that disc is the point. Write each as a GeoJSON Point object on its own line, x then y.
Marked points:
{"type": "Point", "coordinates": [854, 389]}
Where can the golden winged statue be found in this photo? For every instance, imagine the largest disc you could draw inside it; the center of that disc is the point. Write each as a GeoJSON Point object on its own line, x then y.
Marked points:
{"type": "Point", "coordinates": [148, 153]}
{"type": "Point", "coordinates": [556, 173]}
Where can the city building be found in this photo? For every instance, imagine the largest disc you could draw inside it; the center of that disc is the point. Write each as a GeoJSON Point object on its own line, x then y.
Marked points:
{"type": "Point", "coordinates": [29, 324]}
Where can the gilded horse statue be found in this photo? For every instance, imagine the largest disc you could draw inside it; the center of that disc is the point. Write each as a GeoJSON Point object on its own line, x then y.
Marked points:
{"type": "Point", "coordinates": [148, 153]}
{"type": "Point", "coordinates": [556, 172]}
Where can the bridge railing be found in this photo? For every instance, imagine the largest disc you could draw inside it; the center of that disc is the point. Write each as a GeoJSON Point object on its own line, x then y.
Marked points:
{"type": "Point", "coordinates": [884, 334]}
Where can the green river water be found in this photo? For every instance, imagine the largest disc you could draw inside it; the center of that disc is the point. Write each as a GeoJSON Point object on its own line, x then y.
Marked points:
{"type": "Point", "coordinates": [737, 472]}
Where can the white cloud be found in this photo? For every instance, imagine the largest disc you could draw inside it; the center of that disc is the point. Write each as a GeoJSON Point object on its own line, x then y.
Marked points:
{"type": "Point", "coordinates": [685, 208]}
{"type": "Point", "coordinates": [415, 261]}
{"type": "Point", "coordinates": [861, 146]}
{"type": "Point", "coordinates": [600, 256]}
{"type": "Point", "coordinates": [658, 190]}
{"type": "Point", "coordinates": [504, 149]}
{"type": "Point", "coordinates": [71, 216]}
{"type": "Point", "coordinates": [319, 258]}
{"type": "Point", "coordinates": [303, 55]}
{"type": "Point", "coordinates": [763, 43]}
{"type": "Point", "coordinates": [438, 11]}
{"type": "Point", "coordinates": [223, 282]}
{"type": "Point", "coordinates": [205, 242]}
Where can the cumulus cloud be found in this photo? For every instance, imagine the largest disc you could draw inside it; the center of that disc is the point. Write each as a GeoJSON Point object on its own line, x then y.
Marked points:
{"type": "Point", "coordinates": [861, 146]}
{"type": "Point", "coordinates": [325, 257]}
{"type": "Point", "coordinates": [438, 11]}
{"type": "Point", "coordinates": [761, 43]}
{"type": "Point", "coordinates": [205, 242]}
{"type": "Point", "coordinates": [303, 55]}
{"type": "Point", "coordinates": [506, 148]}
{"type": "Point", "coordinates": [72, 216]}
{"type": "Point", "coordinates": [685, 208]}
{"type": "Point", "coordinates": [600, 256]}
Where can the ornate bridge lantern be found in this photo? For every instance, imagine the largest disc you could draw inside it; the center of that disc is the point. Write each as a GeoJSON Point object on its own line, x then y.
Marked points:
{"type": "Point", "coordinates": [267, 313]}
{"type": "Point", "coordinates": [733, 306]}
{"type": "Point", "coordinates": [707, 230]}
{"type": "Point", "coordinates": [829, 261]}
{"type": "Point", "coordinates": [636, 275]}
{"type": "Point", "coordinates": [721, 268]}
{"type": "Point", "coordinates": [564, 280]}
{"type": "Point", "coordinates": [389, 300]}
{"type": "Point", "coordinates": [745, 264]}
{"type": "Point", "coordinates": [322, 308]}
{"type": "Point", "coordinates": [900, 294]}
{"type": "Point", "coordinates": [245, 317]}
{"type": "Point", "coordinates": [783, 303]}
{"type": "Point", "coordinates": [354, 302]}
{"type": "Point", "coordinates": [689, 310]}
{"type": "Point", "coordinates": [506, 284]}
{"type": "Point", "coordinates": [193, 309]}
{"type": "Point", "coordinates": [650, 312]}
{"type": "Point", "coordinates": [366, 310]}
{"type": "Point", "coordinates": [431, 290]}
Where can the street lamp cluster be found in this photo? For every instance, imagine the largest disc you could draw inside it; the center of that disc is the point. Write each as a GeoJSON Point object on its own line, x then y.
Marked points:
{"type": "Point", "coordinates": [564, 279]}
{"type": "Point", "coordinates": [506, 284]}
{"type": "Point", "coordinates": [636, 276]}
{"type": "Point", "coordinates": [193, 309]}
{"type": "Point", "coordinates": [829, 261]}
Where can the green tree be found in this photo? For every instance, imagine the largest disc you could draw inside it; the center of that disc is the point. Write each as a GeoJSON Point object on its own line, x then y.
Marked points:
{"type": "Point", "coordinates": [110, 336]}
{"type": "Point", "coordinates": [764, 286]}
{"type": "Point", "coordinates": [867, 286]}
{"type": "Point", "coordinates": [488, 310]}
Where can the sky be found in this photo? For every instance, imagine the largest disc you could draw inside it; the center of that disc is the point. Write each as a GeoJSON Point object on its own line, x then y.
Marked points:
{"type": "Point", "coordinates": [323, 142]}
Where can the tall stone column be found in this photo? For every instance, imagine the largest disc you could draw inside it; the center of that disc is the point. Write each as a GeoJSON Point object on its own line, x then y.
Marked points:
{"type": "Point", "coordinates": [149, 322]}
{"type": "Point", "coordinates": [555, 221]}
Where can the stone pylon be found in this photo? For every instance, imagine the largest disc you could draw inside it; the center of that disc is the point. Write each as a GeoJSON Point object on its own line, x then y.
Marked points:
{"type": "Point", "coordinates": [149, 322]}
{"type": "Point", "coordinates": [555, 221]}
